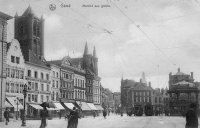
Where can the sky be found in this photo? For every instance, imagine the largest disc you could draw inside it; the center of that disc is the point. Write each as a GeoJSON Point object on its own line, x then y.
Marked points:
{"type": "Point", "coordinates": [130, 36]}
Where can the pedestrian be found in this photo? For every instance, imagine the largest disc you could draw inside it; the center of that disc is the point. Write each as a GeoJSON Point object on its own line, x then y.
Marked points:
{"type": "Point", "coordinates": [71, 118]}
{"type": "Point", "coordinates": [60, 114]}
{"type": "Point", "coordinates": [104, 114]}
{"type": "Point", "coordinates": [6, 115]}
{"type": "Point", "coordinates": [76, 116]}
{"type": "Point", "coordinates": [94, 114]}
{"type": "Point", "coordinates": [43, 115]}
{"type": "Point", "coordinates": [191, 117]}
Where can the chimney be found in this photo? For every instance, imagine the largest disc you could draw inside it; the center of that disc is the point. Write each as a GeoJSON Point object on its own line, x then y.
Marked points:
{"type": "Point", "coordinates": [179, 70]}
{"type": "Point", "coordinates": [192, 75]}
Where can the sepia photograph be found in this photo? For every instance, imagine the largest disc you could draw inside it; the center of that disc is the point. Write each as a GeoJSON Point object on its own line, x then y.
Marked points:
{"type": "Point", "coordinates": [99, 63]}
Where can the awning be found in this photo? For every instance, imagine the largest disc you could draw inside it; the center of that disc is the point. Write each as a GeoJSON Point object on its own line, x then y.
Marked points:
{"type": "Point", "coordinates": [83, 105]}
{"type": "Point", "coordinates": [69, 105]}
{"type": "Point", "coordinates": [15, 103]}
{"type": "Point", "coordinates": [99, 107]}
{"type": "Point", "coordinates": [59, 106]}
{"type": "Point", "coordinates": [92, 107]}
{"type": "Point", "coordinates": [8, 104]}
{"type": "Point", "coordinates": [36, 106]}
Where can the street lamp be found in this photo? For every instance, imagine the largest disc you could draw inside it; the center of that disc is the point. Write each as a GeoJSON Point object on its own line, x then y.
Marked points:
{"type": "Point", "coordinates": [24, 112]}
{"type": "Point", "coordinates": [17, 102]}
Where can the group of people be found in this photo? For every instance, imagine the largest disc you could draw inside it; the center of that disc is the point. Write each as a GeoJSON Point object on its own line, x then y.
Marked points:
{"type": "Point", "coordinates": [191, 117]}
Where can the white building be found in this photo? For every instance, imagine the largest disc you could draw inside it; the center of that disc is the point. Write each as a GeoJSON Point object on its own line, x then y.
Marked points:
{"type": "Point", "coordinates": [38, 85]}
{"type": "Point", "coordinates": [15, 76]}
{"type": "Point", "coordinates": [55, 82]}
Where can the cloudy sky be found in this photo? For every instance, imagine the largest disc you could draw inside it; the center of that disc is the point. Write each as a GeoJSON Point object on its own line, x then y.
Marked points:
{"type": "Point", "coordinates": [130, 36]}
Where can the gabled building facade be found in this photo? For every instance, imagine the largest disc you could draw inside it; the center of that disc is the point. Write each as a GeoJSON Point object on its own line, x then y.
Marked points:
{"type": "Point", "coordinates": [15, 77]}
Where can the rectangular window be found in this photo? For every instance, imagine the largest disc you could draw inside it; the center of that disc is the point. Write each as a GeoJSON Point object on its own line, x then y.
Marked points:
{"type": "Point", "coordinates": [17, 60]}
{"type": "Point", "coordinates": [36, 98]}
{"type": "Point", "coordinates": [17, 73]}
{"type": "Point", "coordinates": [29, 73]}
{"type": "Point", "coordinates": [42, 98]}
{"type": "Point", "coordinates": [12, 73]}
{"type": "Point", "coordinates": [47, 97]}
{"type": "Point", "coordinates": [29, 85]}
{"type": "Point", "coordinates": [47, 76]}
{"type": "Point", "coordinates": [21, 88]}
{"type": "Point", "coordinates": [47, 87]}
{"type": "Point", "coordinates": [12, 88]}
{"type": "Point", "coordinates": [29, 97]}
{"type": "Point", "coordinates": [57, 74]}
{"type": "Point", "coordinates": [7, 87]}
{"type": "Point", "coordinates": [53, 83]}
{"type": "Point", "coordinates": [42, 87]}
{"type": "Point", "coordinates": [12, 59]}
{"type": "Point", "coordinates": [36, 74]}
{"type": "Point", "coordinates": [56, 84]}
{"type": "Point", "coordinates": [33, 86]}
{"type": "Point", "coordinates": [33, 97]}
{"type": "Point", "coordinates": [76, 82]}
{"type": "Point", "coordinates": [21, 75]}
{"type": "Point", "coordinates": [36, 86]}
{"type": "Point", "coordinates": [53, 73]}
{"type": "Point", "coordinates": [42, 76]}
{"type": "Point", "coordinates": [17, 88]}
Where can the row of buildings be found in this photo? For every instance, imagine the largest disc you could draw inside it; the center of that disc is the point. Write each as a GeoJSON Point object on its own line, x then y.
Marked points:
{"type": "Point", "coordinates": [65, 81]}
{"type": "Point", "coordinates": [176, 99]}
{"type": "Point", "coordinates": [141, 93]}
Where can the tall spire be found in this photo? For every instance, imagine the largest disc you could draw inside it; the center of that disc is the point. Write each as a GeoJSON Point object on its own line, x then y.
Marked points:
{"type": "Point", "coordinates": [28, 11]}
{"type": "Point", "coordinates": [86, 49]}
{"type": "Point", "coordinates": [16, 14]}
{"type": "Point", "coordinates": [143, 78]}
{"type": "Point", "coordinates": [94, 52]}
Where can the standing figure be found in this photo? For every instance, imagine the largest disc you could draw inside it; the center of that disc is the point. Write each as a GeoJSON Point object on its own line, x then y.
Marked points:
{"type": "Point", "coordinates": [76, 116]}
{"type": "Point", "coordinates": [71, 118]}
{"type": "Point", "coordinates": [104, 113]}
{"type": "Point", "coordinates": [191, 117]}
{"type": "Point", "coordinates": [60, 114]}
{"type": "Point", "coordinates": [94, 114]}
{"type": "Point", "coordinates": [43, 115]}
{"type": "Point", "coordinates": [6, 115]}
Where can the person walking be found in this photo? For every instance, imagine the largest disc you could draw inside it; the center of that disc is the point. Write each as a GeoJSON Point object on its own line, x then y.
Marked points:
{"type": "Point", "coordinates": [191, 117]}
{"type": "Point", "coordinates": [94, 114]}
{"type": "Point", "coordinates": [76, 116]}
{"type": "Point", "coordinates": [43, 115]}
{"type": "Point", "coordinates": [104, 113]}
{"type": "Point", "coordinates": [6, 115]}
{"type": "Point", "coordinates": [71, 118]}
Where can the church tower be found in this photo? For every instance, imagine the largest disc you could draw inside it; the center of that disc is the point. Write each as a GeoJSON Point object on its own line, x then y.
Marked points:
{"type": "Point", "coordinates": [86, 57]}
{"type": "Point", "coordinates": [29, 31]}
{"type": "Point", "coordinates": [95, 60]}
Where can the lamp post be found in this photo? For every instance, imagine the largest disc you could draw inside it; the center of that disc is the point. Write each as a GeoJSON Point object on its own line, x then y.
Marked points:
{"type": "Point", "coordinates": [24, 112]}
{"type": "Point", "coordinates": [17, 102]}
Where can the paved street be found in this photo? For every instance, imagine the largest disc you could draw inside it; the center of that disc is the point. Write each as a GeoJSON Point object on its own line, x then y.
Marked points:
{"type": "Point", "coordinates": [114, 121]}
